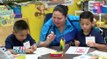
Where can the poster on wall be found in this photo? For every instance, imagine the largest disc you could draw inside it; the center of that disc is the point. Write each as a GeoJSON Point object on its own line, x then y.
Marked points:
{"type": "Point", "coordinates": [64, 2]}
{"type": "Point", "coordinates": [51, 3]}
{"type": "Point", "coordinates": [6, 16]}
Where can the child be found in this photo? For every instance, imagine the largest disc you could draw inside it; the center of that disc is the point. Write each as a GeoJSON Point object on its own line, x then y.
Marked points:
{"type": "Point", "coordinates": [19, 37]}
{"type": "Point", "coordinates": [0, 45]}
{"type": "Point", "coordinates": [90, 32]}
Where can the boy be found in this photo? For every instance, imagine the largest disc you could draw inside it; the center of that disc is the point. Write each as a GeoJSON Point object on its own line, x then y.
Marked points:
{"type": "Point", "coordinates": [19, 37]}
{"type": "Point", "coordinates": [89, 36]}
{"type": "Point", "coordinates": [0, 45]}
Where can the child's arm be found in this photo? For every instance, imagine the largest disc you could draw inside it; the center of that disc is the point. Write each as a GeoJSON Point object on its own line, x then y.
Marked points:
{"type": "Point", "coordinates": [9, 45]}
{"type": "Point", "coordinates": [32, 49]}
{"type": "Point", "coordinates": [101, 47]}
{"type": "Point", "coordinates": [33, 46]}
{"type": "Point", "coordinates": [100, 42]}
{"type": "Point", "coordinates": [29, 51]}
{"type": "Point", "coordinates": [11, 50]}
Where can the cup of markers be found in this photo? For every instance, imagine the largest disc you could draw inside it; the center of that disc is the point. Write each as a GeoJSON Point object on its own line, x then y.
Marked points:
{"type": "Point", "coordinates": [19, 49]}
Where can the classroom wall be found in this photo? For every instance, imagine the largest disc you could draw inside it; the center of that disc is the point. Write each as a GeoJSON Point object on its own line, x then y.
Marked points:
{"type": "Point", "coordinates": [35, 23]}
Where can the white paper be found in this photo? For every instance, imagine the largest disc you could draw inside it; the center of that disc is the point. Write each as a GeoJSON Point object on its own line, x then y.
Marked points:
{"type": "Point", "coordinates": [39, 52]}
{"type": "Point", "coordinates": [94, 53]}
{"type": "Point", "coordinates": [26, 45]}
{"type": "Point", "coordinates": [5, 54]}
{"type": "Point", "coordinates": [77, 50]}
{"type": "Point", "coordinates": [90, 38]}
{"type": "Point", "coordinates": [99, 53]}
{"type": "Point", "coordinates": [43, 50]}
{"type": "Point", "coordinates": [32, 56]}
{"type": "Point", "coordinates": [83, 57]}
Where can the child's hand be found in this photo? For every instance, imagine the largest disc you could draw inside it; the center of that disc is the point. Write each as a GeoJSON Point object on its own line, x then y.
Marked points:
{"type": "Point", "coordinates": [29, 51]}
{"type": "Point", "coordinates": [77, 43]}
{"type": "Point", "coordinates": [91, 44]}
{"type": "Point", "coordinates": [51, 37]}
{"type": "Point", "coordinates": [34, 47]}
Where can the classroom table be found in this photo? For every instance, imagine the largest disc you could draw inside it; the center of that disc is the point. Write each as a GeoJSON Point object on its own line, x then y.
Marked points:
{"type": "Point", "coordinates": [34, 56]}
{"type": "Point", "coordinates": [47, 56]}
{"type": "Point", "coordinates": [65, 56]}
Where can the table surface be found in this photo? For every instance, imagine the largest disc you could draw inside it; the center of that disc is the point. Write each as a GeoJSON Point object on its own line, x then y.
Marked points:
{"type": "Point", "coordinates": [65, 56]}
{"type": "Point", "coordinates": [47, 56]}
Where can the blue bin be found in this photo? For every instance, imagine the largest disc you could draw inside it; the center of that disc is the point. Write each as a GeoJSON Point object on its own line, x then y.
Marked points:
{"type": "Point", "coordinates": [104, 9]}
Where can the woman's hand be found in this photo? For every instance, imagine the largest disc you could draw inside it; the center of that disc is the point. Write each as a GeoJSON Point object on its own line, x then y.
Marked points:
{"type": "Point", "coordinates": [51, 37]}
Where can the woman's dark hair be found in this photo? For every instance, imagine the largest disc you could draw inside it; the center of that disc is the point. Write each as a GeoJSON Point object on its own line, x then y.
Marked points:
{"type": "Point", "coordinates": [20, 25]}
{"type": "Point", "coordinates": [61, 8]}
{"type": "Point", "coordinates": [87, 15]}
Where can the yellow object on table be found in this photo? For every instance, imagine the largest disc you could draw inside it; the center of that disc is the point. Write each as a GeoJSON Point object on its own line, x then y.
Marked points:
{"type": "Point", "coordinates": [56, 54]}
{"type": "Point", "coordinates": [21, 56]}
{"type": "Point", "coordinates": [62, 44]}
{"type": "Point", "coordinates": [102, 57]}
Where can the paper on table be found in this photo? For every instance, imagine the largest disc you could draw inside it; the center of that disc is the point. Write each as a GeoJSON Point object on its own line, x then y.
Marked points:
{"type": "Point", "coordinates": [44, 50]}
{"type": "Point", "coordinates": [39, 52]}
{"type": "Point", "coordinates": [77, 50]}
{"type": "Point", "coordinates": [101, 53]}
{"type": "Point", "coordinates": [32, 56]}
{"type": "Point", "coordinates": [83, 57]}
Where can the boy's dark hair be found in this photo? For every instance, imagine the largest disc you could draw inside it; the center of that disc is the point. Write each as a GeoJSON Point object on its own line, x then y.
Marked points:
{"type": "Point", "coordinates": [20, 25]}
{"type": "Point", "coordinates": [87, 15]}
{"type": "Point", "coordinates": [61, 8]}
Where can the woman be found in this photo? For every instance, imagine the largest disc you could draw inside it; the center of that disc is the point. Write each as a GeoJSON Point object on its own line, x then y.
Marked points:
{"type": "Point", "coordinates": [59, 26]}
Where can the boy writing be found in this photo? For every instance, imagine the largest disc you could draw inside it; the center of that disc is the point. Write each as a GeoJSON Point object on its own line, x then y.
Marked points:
{"type": "Point", "coordinates": [19, 37]}
{"type": "Point", "coordinates": [89, 35]}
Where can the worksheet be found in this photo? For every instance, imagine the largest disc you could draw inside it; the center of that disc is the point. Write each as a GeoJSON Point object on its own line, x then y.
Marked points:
{"type": "Point", "coordinates": [39, 52]}
{"type": "Point", "coordinates": [77, 50]}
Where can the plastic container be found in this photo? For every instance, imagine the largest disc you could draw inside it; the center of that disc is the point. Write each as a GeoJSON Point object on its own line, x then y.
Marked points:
{"type": "Point", "coordinates": [56, 54]}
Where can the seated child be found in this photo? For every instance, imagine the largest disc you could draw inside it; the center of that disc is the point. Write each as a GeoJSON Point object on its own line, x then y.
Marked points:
{"type": "Point", "coordinates": [19, 37]}
{"type": "Point", "coordinates": [0, 45]}
{"type": "Point", "coordinates": [90, 32]}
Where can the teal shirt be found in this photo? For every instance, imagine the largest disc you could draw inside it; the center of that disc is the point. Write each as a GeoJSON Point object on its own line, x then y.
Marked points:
{"type": "Point", "coordinates": [68, 33]}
